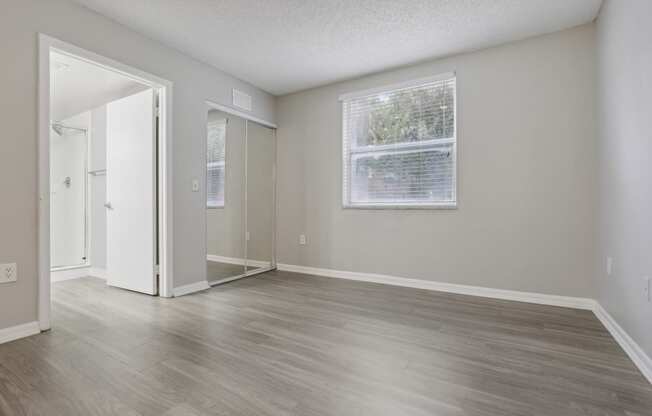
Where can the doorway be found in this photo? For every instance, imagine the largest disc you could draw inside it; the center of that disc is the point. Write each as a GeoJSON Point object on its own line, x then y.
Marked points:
{"type": "Point", "coordinates": [104, 173]}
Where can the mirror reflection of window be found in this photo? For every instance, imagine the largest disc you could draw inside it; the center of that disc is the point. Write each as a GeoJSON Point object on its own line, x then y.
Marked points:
{"type": "Point", "coordinates": [216, 163]}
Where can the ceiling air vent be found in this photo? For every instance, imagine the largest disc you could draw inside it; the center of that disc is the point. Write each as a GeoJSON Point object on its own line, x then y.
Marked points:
{"type": "Point", "coordinates": [241, 100]}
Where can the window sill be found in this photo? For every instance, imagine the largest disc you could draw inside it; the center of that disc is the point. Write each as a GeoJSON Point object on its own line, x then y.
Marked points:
{"type": "Point", "coordinates": [400, 207]}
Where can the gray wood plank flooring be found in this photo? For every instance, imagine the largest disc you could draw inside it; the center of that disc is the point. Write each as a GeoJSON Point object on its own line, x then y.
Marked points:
{"type": "Point", "coordinates": [288, 344]}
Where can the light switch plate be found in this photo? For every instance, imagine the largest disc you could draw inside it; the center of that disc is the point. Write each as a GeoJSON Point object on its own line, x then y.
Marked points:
{"type": "Point", "coordinates": [302, 239]}
{"type": "Point", "coordinates": [8, 272]}
{"type": "Point", "coordinates": [195, 185]}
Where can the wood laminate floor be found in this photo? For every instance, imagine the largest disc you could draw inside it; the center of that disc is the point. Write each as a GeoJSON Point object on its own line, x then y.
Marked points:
{"type": "Point", "coordinates": [288, 344]}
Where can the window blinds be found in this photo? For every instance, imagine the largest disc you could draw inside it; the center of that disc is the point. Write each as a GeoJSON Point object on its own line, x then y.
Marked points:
{"type": "Point", "coordinates": [399, 146]}
{"type": "Point", "coordinates": [216, 163]}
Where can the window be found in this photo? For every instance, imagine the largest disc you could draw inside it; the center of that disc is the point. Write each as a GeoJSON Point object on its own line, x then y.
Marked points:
{"type": "Point", "coordinates": [216, 163]}
{"type": "Point", "coordinates": [399, 146]}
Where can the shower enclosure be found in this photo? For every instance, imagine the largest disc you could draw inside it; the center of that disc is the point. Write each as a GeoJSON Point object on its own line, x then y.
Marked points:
{"type": "Point", "coordinates": [68, 196]}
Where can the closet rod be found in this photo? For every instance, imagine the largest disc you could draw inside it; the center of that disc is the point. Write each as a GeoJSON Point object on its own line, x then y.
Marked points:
{"type": "Point", "coordinates": [97, 172]}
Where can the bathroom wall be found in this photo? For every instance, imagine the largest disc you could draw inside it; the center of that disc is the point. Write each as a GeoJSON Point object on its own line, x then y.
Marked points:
{"type": "Point", "coordinates": [68, 190]}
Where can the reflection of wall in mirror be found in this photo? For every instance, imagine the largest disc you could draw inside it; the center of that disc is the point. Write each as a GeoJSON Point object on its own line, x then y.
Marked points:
{"type": "Point", "coordinates": [260, 196]}
{"type": "Point", "coordinates": [225, 226]}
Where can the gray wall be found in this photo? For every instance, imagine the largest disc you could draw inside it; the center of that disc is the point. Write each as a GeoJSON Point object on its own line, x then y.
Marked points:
{"type": "Point", "coordinates": [194, 83]}
{"type": "Point", "coordinates": [526, 176]}
{"type": "Point", "coordinates": [625, 170]}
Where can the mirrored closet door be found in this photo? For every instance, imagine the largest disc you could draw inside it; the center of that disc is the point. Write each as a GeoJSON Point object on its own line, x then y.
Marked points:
{"type": "Point", "coordinates": [260, 202]}
{"type": "Point", "coordinates": [240, 207]}
{"type": "Point", "coordinates": [225, 197]}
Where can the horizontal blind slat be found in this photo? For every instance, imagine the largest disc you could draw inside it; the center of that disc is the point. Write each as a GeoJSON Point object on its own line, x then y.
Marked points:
{"type": "Point", "coordinates": [390, 149]}
{"type": "Point", "coordinates": [215, 163]}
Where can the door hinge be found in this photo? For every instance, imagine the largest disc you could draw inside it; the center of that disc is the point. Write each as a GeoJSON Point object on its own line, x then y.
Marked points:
{"type": "Point", "coordinates": [157, 269]}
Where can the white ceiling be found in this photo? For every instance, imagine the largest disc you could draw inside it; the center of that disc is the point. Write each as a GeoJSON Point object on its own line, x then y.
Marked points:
{"type": "Point", "coordinates": [77, 86]}
{"type": "Point", "coordinates": [284, 46]}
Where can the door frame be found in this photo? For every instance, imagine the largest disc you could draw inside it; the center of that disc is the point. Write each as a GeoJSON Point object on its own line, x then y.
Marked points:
{"type": "Point", "coordinates": [46, 44]}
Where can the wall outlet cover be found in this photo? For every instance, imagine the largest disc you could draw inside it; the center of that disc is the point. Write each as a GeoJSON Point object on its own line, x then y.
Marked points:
{"type": "Point", "coordinates": [8, 272]}
{"type": "Point", "coordinates": [302, 239]}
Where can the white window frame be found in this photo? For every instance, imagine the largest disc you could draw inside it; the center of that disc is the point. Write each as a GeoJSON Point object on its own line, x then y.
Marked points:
{"type": "Point", "coordinates": [398, 148]}
{"type": "Point", "coordinates": [221, 164]}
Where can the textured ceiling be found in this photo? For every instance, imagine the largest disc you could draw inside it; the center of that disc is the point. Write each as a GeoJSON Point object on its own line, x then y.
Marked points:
{"type": "Point", "coordinates": [284, 46]}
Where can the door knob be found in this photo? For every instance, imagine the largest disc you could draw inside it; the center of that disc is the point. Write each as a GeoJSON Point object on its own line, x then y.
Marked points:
{"type": "Point", "coordinates": [108, 205]}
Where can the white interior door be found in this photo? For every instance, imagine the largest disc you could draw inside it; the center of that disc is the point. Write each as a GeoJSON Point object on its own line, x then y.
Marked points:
{"type": "Point", "coordinates": [131, 196]}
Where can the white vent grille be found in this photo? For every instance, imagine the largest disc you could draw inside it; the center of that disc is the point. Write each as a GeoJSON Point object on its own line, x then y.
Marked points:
{"type": "Point", "coordinates": [241, 100]}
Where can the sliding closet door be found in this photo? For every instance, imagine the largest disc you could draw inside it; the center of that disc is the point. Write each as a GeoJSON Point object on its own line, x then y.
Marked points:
{"type": "Point", "coordinates": [260, 206]}
{"type": "Point", "coordinates": [225, 194]}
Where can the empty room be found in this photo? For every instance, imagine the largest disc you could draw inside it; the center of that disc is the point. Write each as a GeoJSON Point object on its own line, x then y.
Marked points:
{"type": "Point", "coordinates": [326, 207]}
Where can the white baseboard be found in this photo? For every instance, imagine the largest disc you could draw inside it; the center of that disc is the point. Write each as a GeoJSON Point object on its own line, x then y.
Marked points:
{"type": "Point", "coordinates": [227, 280]}
{"type": "Point", "coordinates": [98, 272]}
{"type": "Point", "coordinates": [238, 261]}
{"type": "Point", "coordinates": [633, 350]}
{"type": "Point", "coordinates": [19, 331]}
{"type": "Point", "coordinates": [554, 300]}
{"type": "Point", "coordinates": [191, 288]}
{"type": "Point", "coordinates": [69, 274]}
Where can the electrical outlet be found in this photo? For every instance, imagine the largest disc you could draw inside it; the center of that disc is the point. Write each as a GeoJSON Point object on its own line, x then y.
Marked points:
{"type": "Point", "coordinates": [8, 272]}
{"type": "Point", "coordinates": [646, 288]}
{"type": "Point", "coordinates": [302, 239]}
{"type": "Point", "coordinates": [610, 266]}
